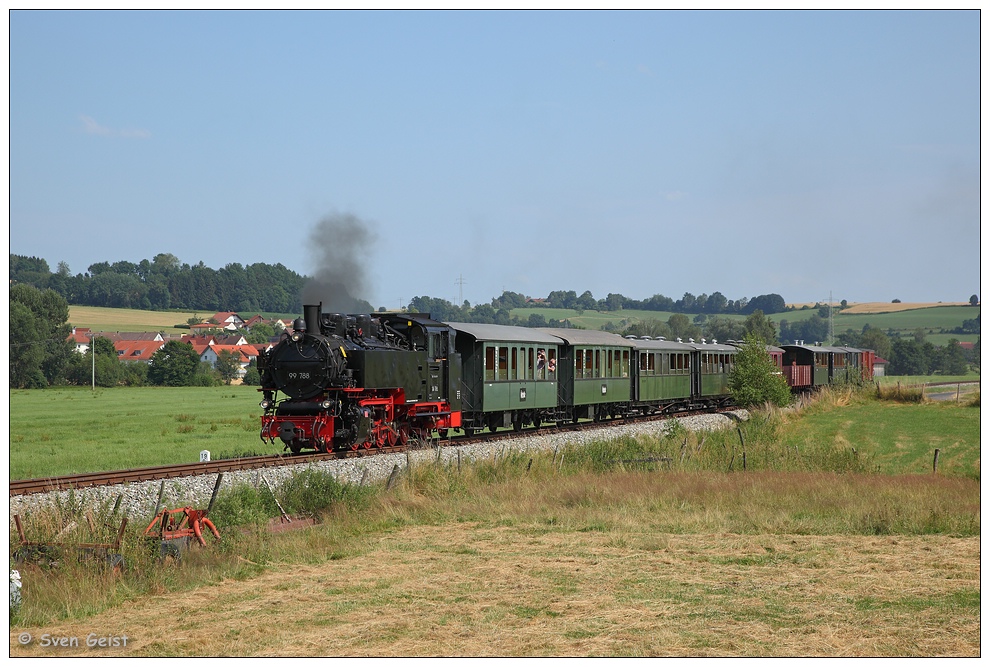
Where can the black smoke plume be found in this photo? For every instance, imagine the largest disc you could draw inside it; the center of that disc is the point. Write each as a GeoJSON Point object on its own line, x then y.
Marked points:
{"type": "Point", "coordinates": [340, 248]}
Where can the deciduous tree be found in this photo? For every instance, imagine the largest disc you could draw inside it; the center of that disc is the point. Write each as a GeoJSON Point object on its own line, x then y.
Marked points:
{"type": "Point", "coordinates": [174, 365]}
{"type": "Point", "coordinates": [754, 379]}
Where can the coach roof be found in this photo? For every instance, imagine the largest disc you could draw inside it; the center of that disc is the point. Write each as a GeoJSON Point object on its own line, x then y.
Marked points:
{"type": "Point", "coordinates": [501, 332]}
{"type": "Point", "coordinates": [654, 344]}
{"type": "Point", "coordinates": [588, 337]}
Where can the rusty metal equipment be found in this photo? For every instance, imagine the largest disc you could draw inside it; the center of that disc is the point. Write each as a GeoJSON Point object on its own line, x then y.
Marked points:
{"type": "Point", "coordinates": [49, 554]}
{"type": "Point", "coordinates": [175, 528]}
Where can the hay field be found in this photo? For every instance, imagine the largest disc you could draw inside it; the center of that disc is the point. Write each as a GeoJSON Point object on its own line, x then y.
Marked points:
{"type": "Point", "coordinates": [463, 589]}
{"type": "Point", "coordinates": [125, 319]}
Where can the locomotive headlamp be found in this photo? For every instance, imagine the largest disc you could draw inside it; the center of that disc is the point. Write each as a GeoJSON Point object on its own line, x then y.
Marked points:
{"type": "Point", "coordinates": [299, 326]}
{"type": "Point", "coordinates": [265, 404]}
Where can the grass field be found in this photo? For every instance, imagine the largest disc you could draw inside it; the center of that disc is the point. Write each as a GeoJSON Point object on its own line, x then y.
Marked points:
{"type": "Point", "coordinates": [73, 429]}
{"type": "Point", "coordinates": [583, 556]}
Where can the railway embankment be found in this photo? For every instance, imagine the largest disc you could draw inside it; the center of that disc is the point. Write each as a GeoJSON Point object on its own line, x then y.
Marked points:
{"type": "Point", "coordinates": [139, 499]}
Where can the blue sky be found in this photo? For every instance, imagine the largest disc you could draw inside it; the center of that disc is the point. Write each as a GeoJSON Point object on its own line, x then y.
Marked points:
{"type": "Point", "coordinates": [797, 153]}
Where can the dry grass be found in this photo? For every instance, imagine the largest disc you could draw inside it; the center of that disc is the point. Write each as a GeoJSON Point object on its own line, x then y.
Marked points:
{"type": "Point", "coordinates": [463, 589]}
{"type": "Point", "coordinates": [628, 564]}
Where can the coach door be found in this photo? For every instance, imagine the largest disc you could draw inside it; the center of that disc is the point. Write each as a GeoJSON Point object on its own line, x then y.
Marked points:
{"type": "Point", "coordinates": [695, 373]}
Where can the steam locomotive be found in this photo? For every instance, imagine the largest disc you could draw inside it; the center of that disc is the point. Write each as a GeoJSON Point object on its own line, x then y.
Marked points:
{"type": "Point", "coordinates": [358, 381]}
{"type": "Point", "coordinates": [342, 382]}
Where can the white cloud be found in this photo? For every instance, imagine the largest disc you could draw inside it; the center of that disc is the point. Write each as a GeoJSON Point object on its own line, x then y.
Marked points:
{"type": "Point", "coordinates": [90, 126]}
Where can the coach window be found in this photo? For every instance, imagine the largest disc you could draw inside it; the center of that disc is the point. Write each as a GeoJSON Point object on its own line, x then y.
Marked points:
{"type": "Point", "coordinates": [489, 362]}
{"type": "Point", "coordinates": [589, 360]}
{"type": "Point", "coordinates": [503, 363]}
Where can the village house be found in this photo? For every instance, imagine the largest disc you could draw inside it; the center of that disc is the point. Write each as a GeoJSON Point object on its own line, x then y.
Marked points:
{"type": "Point", "coordinates": [81, 337]}
{"type": "Point", "coordinates": [211, 354]}
{"type": "Point", "coordinates": [228, 321]}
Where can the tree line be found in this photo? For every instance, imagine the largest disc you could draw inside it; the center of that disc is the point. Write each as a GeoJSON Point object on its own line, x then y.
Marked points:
{"type": "Point", "coordinates": [714, 304]}
{"type": "Point", "coordinates": [42, 354]}
{"type": "Point", "coordinates": [165, 283]}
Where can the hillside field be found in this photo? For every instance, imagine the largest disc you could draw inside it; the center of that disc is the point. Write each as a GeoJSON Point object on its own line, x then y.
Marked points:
{"type": "Point", "coordinates": [900, 317]}
{"type": "Point", "coordinates": [931, 319]}
{"type": "Point", "coordinates": [127, 319]}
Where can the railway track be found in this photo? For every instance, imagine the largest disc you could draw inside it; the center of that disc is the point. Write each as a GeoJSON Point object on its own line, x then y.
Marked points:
{"type": "Point", "coordinates": [85, 480]}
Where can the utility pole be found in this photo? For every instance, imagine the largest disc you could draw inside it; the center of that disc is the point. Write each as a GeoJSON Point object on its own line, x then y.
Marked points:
{"type": "Point", "coordinates": [460, 293]}
{"type": "Point", "coordinates": [92, 349]}
{"type": "Point", "coordinates": [831, 328]}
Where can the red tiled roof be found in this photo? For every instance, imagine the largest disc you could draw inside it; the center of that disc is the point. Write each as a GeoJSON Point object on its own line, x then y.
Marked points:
{"type": "Point", "coordinates": [129, 350]}
{"type": "Point", "coordinates": [198, 339]}
{"type": "Point", "coordinates": [80, 335]}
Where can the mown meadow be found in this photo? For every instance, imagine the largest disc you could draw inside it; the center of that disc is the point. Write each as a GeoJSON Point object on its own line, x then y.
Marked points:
{"type": "Point", "coordinates": [819, 530]}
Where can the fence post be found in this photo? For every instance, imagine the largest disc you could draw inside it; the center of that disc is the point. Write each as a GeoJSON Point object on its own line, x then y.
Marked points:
{"type": "Point", "coordinates": [935, 462]}
{"type": "Point", "coordinates": [392, 477]}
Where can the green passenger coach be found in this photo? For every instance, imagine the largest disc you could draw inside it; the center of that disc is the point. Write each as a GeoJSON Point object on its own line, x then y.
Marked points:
{"type": "Point", "coordinates": [595, 373]}
{"type": "Point", "coordinates": [663, 373]}
{"type": "Point", "coordinates": [714, 363]}
{"type": "Point", "coordinates": [509, 375]}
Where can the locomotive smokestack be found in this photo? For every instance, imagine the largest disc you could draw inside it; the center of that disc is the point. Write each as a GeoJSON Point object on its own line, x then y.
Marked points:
{"type": "Point", "coordinates": [311, 314]}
